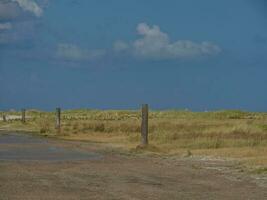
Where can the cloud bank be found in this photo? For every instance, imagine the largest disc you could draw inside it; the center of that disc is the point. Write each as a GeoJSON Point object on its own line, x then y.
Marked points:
{"type": "Point", "coordinates": [72, 52]}
{"type": "Point", "coordinates": [5, 26]}
{"type": "Point", "coordinates": [31, 6]}
{"type": "Point", "coordinates": [12, 9]}
{"type": "Point", "coordinates": [155, 44]}
{"type": "Point", "coordinates": [8, 11]}
{"type": "Point", "coordinates": [17, 19]}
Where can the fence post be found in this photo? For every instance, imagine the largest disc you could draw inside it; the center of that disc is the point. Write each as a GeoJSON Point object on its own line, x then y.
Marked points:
{"type": "Point", "coordinates": [58, 120]}
{"type": "Point", "coordinates": [4, 117]}
{"type": "Point", "coordinates": [23, 115]}
{"type": "Point", "coordinates": [144, 125]}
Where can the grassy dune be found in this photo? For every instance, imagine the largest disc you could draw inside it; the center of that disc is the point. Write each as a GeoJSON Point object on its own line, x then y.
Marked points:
{"type": "Point", "coordinates": [234, 134]}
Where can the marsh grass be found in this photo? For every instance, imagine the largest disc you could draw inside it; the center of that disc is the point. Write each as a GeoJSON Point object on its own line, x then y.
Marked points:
{"type": "Point", "coordinates": [170, 131]}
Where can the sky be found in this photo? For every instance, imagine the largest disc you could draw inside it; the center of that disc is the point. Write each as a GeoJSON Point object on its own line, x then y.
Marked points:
{"type": "Point", "coordinates": [118, 54]}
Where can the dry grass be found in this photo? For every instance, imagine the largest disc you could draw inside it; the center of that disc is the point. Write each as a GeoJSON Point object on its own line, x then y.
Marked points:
{"type": "Point", "coordinates": [235, 134]}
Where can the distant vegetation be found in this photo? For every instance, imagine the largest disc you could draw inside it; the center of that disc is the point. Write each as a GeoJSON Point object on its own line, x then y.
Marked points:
{"type": "Point", "coordinates": [223, 133]}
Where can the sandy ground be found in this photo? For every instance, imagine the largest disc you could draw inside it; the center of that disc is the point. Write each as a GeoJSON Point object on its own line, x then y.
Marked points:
{"type": "Point", "coordinates": [93, 172]}
{"type": "Point", "coordinates": [12, 117]}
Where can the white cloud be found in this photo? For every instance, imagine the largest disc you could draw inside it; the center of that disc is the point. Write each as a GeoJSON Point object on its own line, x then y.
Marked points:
{"type": "Point", "coordinates": [5, 26]}
{"type": "Point", "coordinates": [119, 46]}
{"type": "Point", "coordinates": [8, 10]}
{"type": "Point", "coordinates": [12, 17]}
{"type": "Point", "coordinates": [155, 44]}
{"type": "Point", "coordinates": [31, 6]}
{"type": "Point", "coordinates": [72, 52]}
{"type": "Point", "coordinates": [19, 23]}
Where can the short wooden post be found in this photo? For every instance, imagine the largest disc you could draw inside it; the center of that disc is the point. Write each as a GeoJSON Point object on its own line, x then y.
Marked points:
{"type": "Point", "coordinates": [4, 118]}
{"type": "Point", "coordinates": [23, 115]}
{"type": "Point", "coordinates": [58, 120]}
{"type": "Point", "coordinates": [144, 125]}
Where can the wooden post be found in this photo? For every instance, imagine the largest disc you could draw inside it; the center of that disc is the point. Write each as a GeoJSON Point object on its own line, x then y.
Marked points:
{"type": "Point", "coordinates": [58, 120]}
{"type": "Point", "coordinates": [23, 115]}
{"type": "Point", "coordinates": [144, 125]}
{"type": "Point", "coordinates": [4, 117]}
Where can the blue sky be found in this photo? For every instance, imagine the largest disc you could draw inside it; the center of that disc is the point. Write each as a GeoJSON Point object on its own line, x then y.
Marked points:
{"type": "Point", "coordinates": [118, 54]}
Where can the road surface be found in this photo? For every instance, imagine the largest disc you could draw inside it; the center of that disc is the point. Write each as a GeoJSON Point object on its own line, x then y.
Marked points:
{"type": "Point", "coordinates": [34, 168]}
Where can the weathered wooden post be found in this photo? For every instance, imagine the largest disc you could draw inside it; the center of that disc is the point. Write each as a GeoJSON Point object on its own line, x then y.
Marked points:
{"type": "Point", "coordinates": [4, 117]}
{"type": "Point", "coordinates": [144, 125]}
{"type": "Point", "coordinates": [58, 120]}
{"type": "Point", "coordinates": [23, 115]}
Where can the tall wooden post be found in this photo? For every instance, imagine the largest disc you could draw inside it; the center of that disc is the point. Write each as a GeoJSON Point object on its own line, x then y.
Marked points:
{"type": "Point", "coordinates": [23, 115]}
{"type": "Point", "coordinates": [58, 120]}
{"type": "Point", "coordinates": [144, 125]}
{"type": "Point", "coordinates": [4, 117]}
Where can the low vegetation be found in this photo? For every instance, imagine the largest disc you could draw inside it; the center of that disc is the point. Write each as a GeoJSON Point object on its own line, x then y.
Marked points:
{"type": "Point", "coordinates": [234, 134]}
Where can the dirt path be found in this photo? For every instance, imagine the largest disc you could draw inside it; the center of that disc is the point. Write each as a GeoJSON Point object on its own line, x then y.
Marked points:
{"type": "Point", "coordinates": [37, 171]}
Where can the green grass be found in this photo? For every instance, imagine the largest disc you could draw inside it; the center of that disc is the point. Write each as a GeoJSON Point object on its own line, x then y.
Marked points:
{"type": "Point", "coordinates": [262, 170]}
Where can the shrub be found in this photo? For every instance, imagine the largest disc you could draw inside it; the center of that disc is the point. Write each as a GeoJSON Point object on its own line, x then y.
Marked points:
{"type": "Point", "coordinates": [99, 127]}
{"type": "Point", "coordinates": [45, 126]}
